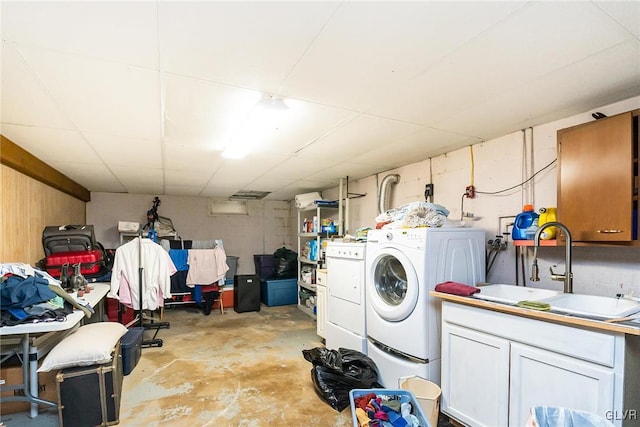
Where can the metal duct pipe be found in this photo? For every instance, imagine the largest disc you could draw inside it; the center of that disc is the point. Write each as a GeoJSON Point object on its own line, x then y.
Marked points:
{"type": "Point", "coordinates": [384, 194]}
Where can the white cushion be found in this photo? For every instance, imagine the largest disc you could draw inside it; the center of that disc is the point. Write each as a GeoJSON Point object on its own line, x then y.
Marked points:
{"type": "Point", "coordinates": [88, 345]}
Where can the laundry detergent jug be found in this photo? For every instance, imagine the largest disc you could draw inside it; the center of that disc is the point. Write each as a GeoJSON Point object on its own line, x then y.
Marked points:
{"type": "Point", "coordinates": [547, 215]}
{"type": "Point", "coordinates": [525, 224]}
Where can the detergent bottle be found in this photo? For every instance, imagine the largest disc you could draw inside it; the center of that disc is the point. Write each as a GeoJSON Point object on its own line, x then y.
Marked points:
{"type": "Point", "coordinates": [547, 215]}
{"type": "Point", "coordinates": [525, 224]}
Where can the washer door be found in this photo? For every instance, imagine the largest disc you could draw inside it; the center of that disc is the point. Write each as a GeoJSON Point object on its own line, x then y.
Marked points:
{"type": "Point", "coordinates": [392, 285]}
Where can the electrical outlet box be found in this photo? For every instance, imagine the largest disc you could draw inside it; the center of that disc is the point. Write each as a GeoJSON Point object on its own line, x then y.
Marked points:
{"type": "Point", "coordinates": [470, 192]}
{"type": "Point", "coordinates": [428, 191]}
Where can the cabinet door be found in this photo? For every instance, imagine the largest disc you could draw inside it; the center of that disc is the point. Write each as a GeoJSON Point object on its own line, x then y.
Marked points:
{"type": "Point", "coordinates": [544, 378]}
{"type": "Point", "coordinates": [321, 310]}
{"type": "Point", "coordinates": [596, 179]}
{"type": "Point", "coordinates": [475, 377]}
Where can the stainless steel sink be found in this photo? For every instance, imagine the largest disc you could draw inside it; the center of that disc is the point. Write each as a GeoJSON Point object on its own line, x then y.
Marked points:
{"type": "Point", "coordinates": [592, 305]}
{"type": "Point", "coordinates": [510, 294]}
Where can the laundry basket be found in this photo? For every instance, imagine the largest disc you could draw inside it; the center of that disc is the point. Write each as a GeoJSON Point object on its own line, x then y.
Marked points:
{"type": "Point", "coordinates": [427, 394]}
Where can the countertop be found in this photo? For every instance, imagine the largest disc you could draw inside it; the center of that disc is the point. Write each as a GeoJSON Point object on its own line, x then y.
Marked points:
{"type": "Point", "coordinates": [625, 328]}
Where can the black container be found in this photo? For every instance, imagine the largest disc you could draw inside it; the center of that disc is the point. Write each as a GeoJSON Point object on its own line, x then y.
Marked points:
{"type": "Point", "coordinates": [90, 395]}
{"type": "Point", "coordinates": [246, 293]}
{"type": "Point", "coordinates": [264, 265]}
{"type": "Point", "coordinates": [131, 349]}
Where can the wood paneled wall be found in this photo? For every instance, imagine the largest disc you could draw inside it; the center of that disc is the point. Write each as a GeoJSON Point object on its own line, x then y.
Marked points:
{"type": "Point", "coordinates": [26, 207]}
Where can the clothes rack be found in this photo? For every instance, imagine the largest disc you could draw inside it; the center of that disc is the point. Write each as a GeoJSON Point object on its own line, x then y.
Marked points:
{"type": "Point", "coordinates": [153, 342]}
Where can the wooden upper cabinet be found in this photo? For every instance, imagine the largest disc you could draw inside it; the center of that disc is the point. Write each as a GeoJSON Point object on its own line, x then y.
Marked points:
{"type": "Point", "coordinates": [598, 179]}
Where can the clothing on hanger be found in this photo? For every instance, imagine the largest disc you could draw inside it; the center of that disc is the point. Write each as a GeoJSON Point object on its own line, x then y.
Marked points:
{"type": "Point", "coordinates": [156, 274]}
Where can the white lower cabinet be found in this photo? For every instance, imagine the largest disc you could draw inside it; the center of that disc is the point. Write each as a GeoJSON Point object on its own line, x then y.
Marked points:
{"type": "Point", "coordinates": [544, 378]}
{"type": "Point", "coordinates": [475, 376]}
{"type": "Point", "coordinates": [497, 366]}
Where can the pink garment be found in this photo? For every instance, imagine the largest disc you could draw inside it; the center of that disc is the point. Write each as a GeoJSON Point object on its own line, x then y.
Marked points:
{"type": "Point", "coordinates": [206, 266]}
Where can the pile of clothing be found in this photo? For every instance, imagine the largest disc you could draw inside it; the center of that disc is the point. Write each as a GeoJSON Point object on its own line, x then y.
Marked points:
{"type": "Point", "coordinates": [413, 215]}
{"type": "Point", "coordinates": [27, 296]}
{"type": "Point", "coordinates": [386, 410]}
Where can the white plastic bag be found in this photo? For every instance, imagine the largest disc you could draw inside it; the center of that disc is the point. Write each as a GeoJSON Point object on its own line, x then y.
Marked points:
{"type": "Point", "coordinates": [548, 416]}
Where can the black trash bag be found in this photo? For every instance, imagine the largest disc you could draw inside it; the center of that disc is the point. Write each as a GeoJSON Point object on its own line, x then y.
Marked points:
{"type": "Point", "coordinates": [337, 372]}
{"type": "Point", "coordinates": [332, 387]}
{"type": "Point", "coordinates": [285, 264]}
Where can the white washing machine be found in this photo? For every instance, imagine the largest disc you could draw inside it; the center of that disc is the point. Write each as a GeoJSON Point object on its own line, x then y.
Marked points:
{"type": "Point", "coordinates": [403, 321]}
{"type": "Point", "coordinates": [346, 325]}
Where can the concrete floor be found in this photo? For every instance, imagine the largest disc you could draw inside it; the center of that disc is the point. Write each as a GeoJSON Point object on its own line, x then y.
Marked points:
{"type": "Point", "coordinates": [236, 369]}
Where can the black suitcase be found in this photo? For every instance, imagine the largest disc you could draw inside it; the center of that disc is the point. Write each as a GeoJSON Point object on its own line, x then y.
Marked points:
{"type": "Point", "coordinates": [246, 293]}
{"type": "Point", "coordinates": [68, 238]}
{"type": "Point", "coordinates": [90, 396]}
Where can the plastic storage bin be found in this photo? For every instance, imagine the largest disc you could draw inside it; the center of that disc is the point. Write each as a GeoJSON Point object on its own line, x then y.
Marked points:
{"type": "Point", "coordinates": [264, 265]}
{"type": "Point", "coordinates": [402, 395]}
{"type": "Point", "coordinates": [279, 292]}
{"type": "Point", "coordinates": [131, 349]}
{"type": "Point", "coordinates": [232, 262]}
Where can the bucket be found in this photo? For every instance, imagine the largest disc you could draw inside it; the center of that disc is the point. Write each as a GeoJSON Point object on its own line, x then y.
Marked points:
{"type": "Point", "coordinates": [427, 394]}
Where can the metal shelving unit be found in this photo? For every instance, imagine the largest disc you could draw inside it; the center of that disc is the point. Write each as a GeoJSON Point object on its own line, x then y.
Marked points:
{"type": "Point", "coordinates": [306, 285]}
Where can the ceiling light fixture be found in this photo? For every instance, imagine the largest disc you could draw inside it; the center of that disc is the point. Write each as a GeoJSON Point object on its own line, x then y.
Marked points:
{"type": "Point", "coordinates": [262, 122]}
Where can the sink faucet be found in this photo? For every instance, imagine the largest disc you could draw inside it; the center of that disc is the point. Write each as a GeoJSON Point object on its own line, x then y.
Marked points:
{"type": "Point", "coordinates": [567, 277]}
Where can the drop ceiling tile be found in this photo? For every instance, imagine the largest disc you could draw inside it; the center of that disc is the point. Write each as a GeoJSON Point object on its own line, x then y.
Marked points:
{"type": "Point", "coordinates": [123, 32]}
{"type": "Point", "coordinates": [182, 190]}
{"type": "Point", "coordinates": [626, 13]}
{"type": "Point", "coordinates": [504, 57]}
{"type": "Point", "coordinates": [294, 168]}
{"type": "Point", "coordinates": [197, 158]}
{"type": "Point", "coordinates": [98, 96]}
{"type": "Point", "coordinates": [413, 148]}
{"type": "Point", "coordinates": [303, 123]}
{"type": "Point", "coordinates": [251, 44]}
{"type": "Point", "coordinates": [122, 151]}
{"type": "Point", "coordinates": [368, 48]}
{"type": "Point", "coordinates": [145, 189]}
{"type": "Point", "coordinates": [358, 136]}
{"type": "Point", "coordinates": [523, 106]}
{"type": "Point", "coordinates": [243, 172]}
{"type": "Point", "coordinates": [140, 180]}
{"type": "Point", "coordinates": [186, 178]}
{"type": "Point", "coordinates": [24, 99]}
{"type": "Point", "coordinates": [344, 169]}
{"type": "Point", "coordinates": [219, 191]}
{"type": "Point", "coordinates": [52, 145]}
{"type": "Point", "coordinates": [94, 177]}
{"type": "Point", "coordinates": [204, 113]}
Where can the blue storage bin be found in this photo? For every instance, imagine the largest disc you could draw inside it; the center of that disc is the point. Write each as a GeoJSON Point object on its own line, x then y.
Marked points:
{"type": "Point", "coordinates": [131, 349]}
{"type": "Point", "coordinates": [403, 396]}
{"type": "Point", "coordinates": [279, 292]}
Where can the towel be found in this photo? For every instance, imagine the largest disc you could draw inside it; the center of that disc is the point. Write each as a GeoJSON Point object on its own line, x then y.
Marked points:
{"type": "Point", "coordinates": [456, 289]}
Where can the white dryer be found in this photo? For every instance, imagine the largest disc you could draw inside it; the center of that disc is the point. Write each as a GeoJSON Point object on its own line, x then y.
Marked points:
{"type": "Point", "coordinates": [403, 321]}
{"type": "Point", "coordinates": [346, 312]}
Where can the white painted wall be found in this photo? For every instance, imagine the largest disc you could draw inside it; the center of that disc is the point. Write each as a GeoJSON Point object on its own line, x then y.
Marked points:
{"type": "Point", "coordinates": [266, 228]}
{"type": "Point", "coordinates": [498, 164]}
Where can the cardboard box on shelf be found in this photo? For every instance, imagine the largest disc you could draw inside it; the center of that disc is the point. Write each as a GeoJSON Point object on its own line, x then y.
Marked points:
{"type": "Point", "coordinates": [12, 375]}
